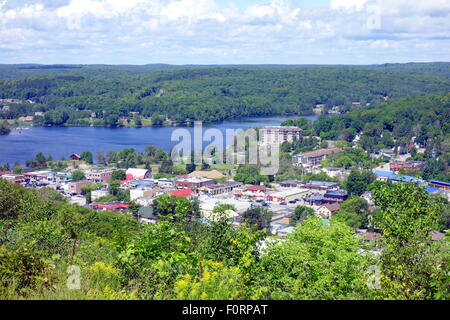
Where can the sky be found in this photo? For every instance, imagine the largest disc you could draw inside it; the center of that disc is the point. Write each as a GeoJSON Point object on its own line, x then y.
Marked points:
{"type": "Point", "coordinates": [224, 31]}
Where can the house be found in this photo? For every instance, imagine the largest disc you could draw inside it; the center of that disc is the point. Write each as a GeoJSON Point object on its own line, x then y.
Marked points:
{"type": "Point", "coordinates": [26, 119]}
{"type": "Point", "coordinates": [75, 156]}
{"type": "Point", "coordinates": [39, 114]}
{"type": "Point", "coordinates": [280, 134]}
{"type": "Point", "coordinates": [115, 205]}
{"type": "Point", "coordinates": [193, 182]}
{"type": "Point", "coordinates": [314, 157]}
{"type": "Point", "coordinates": [135, 174]}
{"type": "Point", "coordinates": [406, 165]}
{"type": "Point", "coordinates": [213, 174]}
{"type": "Point", "coordinates": [356, 104]}
{"type": "Point", "coordinates": [76, 187]}
{"type": "Point", "coordinates": [146, 215]}
{"type": "Point", "coordinates": [182, 193]}
{"type": "Point", "coordinates": [326, 211]}
{"type": "Point", "coordinates": [334, 172]}
{"type": "Point", "coordinates": [14, 178]}
{"type": "Point", "coordinates": [103, 175]}
{"type": "Point", "coordinates": [96, 194]}
{"type": "Point", "coordinates": [387, 153]}
{"type": "Point", "coordinates": [143, 192]}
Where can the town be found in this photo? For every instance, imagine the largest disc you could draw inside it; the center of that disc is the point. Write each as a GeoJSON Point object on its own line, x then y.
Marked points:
{"type": "Point", "coordinates": [97, 186]}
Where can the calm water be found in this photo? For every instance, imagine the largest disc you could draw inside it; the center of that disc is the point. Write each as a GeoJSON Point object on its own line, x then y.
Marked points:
{"type": "Point", "coordinates": [22, 145]}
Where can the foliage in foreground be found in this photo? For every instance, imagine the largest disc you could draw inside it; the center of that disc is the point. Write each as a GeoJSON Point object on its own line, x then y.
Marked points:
{"type": "Point", "coordinates": [186, 258]}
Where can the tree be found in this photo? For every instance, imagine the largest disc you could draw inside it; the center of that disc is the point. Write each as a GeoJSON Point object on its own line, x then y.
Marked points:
{"type": "Point", "coordinates": [315, 262]}
{"type": "Point", "coordinates": [259, 217]}
{"type": "Point", "coordinates": [190, 167]}
{"type": "Point", "coordinates": [78, 175]}
{"type": "Point", "coordinates": [119, 175]}
{"type": "Point", "coordinates": [358, 181]}
{"type": "Point", "coordinates": [87, 157]}
{"type": "Point", "coordinates": [412, 267]}
{"type": "Point", "coordinates": [4, 128]}
{"type": "Point", "coordinates": [301, 213]}
{"type": "Point", "coordinates": [175, 208]}
{"type": "Point", "coordinates": [17, 170]}
{"type": "Point", "coordinates": [114, 187]}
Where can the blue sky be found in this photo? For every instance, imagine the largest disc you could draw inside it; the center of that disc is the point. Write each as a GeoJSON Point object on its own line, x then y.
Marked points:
{"type": "Point", "coordinates": [224, 31]}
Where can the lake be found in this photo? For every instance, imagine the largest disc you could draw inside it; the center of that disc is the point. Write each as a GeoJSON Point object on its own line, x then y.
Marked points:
{"type": "Point", "coordinates": [22, 145]}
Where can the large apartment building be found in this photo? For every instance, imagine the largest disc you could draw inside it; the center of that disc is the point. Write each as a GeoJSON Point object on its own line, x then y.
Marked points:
{"type": "Point", "coordinates": [278, 135]}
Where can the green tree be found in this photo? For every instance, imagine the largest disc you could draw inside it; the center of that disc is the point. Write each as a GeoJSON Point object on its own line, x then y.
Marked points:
{"type": "Point", "coordinates": [87, 157]}
{"type": "Point", "coordinates": [78, 175]}
{"type": "Point", "coordinates": [358, 181]}
{"type": "Point", "coordinates": [315, 262]}
{"type": "Point", "coordinates": [119, 175]}
{"type": "Point", "coordinates": [260, 217]}
{"type": "Point", "coordinates": [4, 128]}
{"type": "Point", "coordinates": [301, 213]}
{"type": "Point", "coordinates": [411, 266]}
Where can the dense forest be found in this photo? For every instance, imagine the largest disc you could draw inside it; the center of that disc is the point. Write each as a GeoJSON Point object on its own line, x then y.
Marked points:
{"type": "Point", "coordinates": [392, 124]}
{"type": "Point", "coordinates": [68, 95]}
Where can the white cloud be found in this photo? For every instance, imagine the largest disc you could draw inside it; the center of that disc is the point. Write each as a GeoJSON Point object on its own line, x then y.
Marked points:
{"type": "Point", "coordinates": [185, 31]}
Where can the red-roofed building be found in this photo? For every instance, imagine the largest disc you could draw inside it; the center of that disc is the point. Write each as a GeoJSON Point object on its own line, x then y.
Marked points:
{"type": "Point", "coordinates": [75, 156]}
{"type": "Point", "coordinates": [110, 205]}
{"type": "Point", "coordinates": [256, 188]}
{"type": "Point", "coordinates": [181, 193]}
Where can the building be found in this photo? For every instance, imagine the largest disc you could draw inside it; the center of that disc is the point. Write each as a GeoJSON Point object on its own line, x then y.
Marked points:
{"type": "Point", "coordinates": [327, 210]}
{"type": "Point", "coordinates": [75, 156]}
{"type": "Point", "coordinates": [335, 172]}
{"type": "Point", "coordinates": [14, 178]}
{"type": "Point", "coordinates": [26, 119]}
{"type": "Point", "coordinates": [182, 193]}
{"type": "Point", "coordinates": [406, 165]}
{"type": "Point", "coordinates": [290, 195]}
{"type": "Point", "coordinates": [251, 192]}
{"type": "Point", "coordinates": [97, 194]}
{"type": "Point", "coordinates": [314, 157]}
{"type": "Point", "coordinates": [193, 183]}
{"type": "Point", "coordinates": [289, 183]}
{"type": "Point", "coordinates": [213, 174]}
{"type": "Point", "coordinates": [76, 187]}
{"type": "Point", "coordinates": [221, 188]}
{"type": "Point", "coordinates": [136, 174]}
{"type": "Point", "coordinates": [115, 205]}
{"type": "Point", "coordinates": [143, 192]}
{"type": "Point", "coordinates": [103, 175]}
{"type": "Point", "coordinates": [318, 185]}
{"type": "Point", "coordinates": [441, 185]}
{"type": "Point", "coordinates": [387, 153]}
{"type": "Point", "coordinates": [278, 135]}
{"type": "Point", "coordinates": [335, 196]}
{"type": "Point", "coordinates": [315, 199]}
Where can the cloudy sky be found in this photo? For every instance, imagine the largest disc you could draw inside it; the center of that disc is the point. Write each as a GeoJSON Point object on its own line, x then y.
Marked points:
{"type": "Point", "coordinates": [224, 31]}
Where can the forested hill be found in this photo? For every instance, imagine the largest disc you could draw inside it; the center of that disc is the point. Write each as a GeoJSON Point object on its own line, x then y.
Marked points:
{"type": "Point", "coordinates": [188, 92]}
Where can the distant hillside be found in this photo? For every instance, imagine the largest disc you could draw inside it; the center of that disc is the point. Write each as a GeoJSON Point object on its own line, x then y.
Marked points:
{"type": "Point", "coordinates": [67, 94]}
